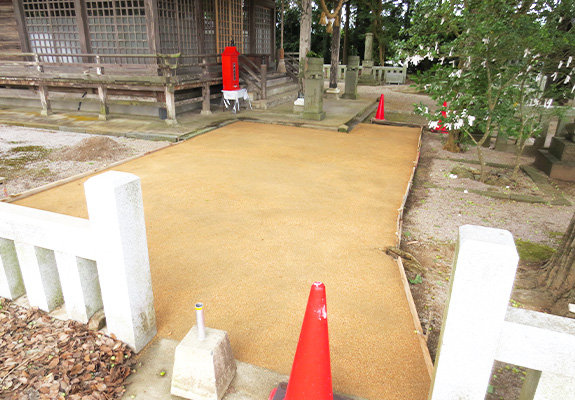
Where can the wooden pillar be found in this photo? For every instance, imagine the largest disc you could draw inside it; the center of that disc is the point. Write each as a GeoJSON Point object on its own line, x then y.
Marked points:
{"type": "Point", "coordinates": [83, 29]}
{"type": "Point", "coordinates": [252, 28]}
{"type": "Point", "coordinates": [273, 36]}
{"type": "Point", "coordinates": [169, 93]}
{"type": "Point", "coordinates": [264, 73]}
{"type": "Point", "coordinates": [21, 24]}
{"type": "Point", "coordinates": [200, 26]}
{"type": "Point", "coordinates": [102, 94]}
{"type": "Point", "coordinates": [153, 26]}
{"type": "Point", "coordinates": [206, 95]}
{"type": "Point", "coordinates": [42, 89]}
{"type": "Point", "coordinates": [44, 100]}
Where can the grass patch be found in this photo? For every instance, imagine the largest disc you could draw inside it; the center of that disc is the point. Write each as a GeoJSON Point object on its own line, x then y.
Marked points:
{"type": "Point", "coordinates": [532, 252]}
{"type": "Point", "coordinates": [15, 161]}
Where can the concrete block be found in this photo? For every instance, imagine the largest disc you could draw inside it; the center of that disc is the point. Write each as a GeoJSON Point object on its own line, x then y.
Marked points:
{"type": "Point", "coordinates": [80, 286]}
{"type": "Point", "coordinates": [485, 263]}
{"type": "Point", "coordinates": [40, 275]}
{"type": "Point", "coordinates": [538, 341]}
{"type": "Point", "coordinates": [203, 370]}
{"type": "Point", "coordinates": [116, 213]}
{"type": "Point", "coordinates": [554, 387]}
{"type": "Point", "coordinates": [11, 283]}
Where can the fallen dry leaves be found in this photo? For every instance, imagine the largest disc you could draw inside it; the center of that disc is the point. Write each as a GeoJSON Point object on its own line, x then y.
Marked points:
{"type": "Point", "coordinates": [43, 358]}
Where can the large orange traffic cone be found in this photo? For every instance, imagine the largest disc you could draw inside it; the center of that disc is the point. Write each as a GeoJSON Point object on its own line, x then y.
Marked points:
{"type": "Point", "coordinates": [310, 377]}
{"type": "Point", "coordinates": [380, 109]}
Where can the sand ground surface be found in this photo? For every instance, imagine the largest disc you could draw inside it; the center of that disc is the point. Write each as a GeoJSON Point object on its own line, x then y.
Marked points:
{"type": "Point", "coordinates": [247, 217]}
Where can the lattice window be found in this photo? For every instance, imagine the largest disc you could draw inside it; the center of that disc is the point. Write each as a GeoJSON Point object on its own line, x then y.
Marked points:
{"type": "Point", "coordinates": [52, 28]}
{"type": "Point", "coordinates": [263, 30]}
{"type": "Point", "coordinates": [229, 21]}
{"type": "Point", "coordinates": [177, 27]}
{"type": "Point", "coordinates": [210, 27]}
{"type": "Point", "coordinates": [119, 27]}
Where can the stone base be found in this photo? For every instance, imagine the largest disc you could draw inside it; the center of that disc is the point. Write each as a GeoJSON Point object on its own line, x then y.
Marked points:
{"type": "Point", "coordinates": [314, 116]}
{"type": "Point", "coordinates": [554, 167]}
{"type": "Point", "coordinates": [203, 370]}
{"type": "Point", "coordinates": [350, 96]}
{"type": "Point", "coordinates": [332, 93]}
{"type": "Point", "coordinates": [298, 105]}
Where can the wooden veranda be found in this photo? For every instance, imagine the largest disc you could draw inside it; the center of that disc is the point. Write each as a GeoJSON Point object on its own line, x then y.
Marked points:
{"type": "Point", "coordinates": [157, 57]}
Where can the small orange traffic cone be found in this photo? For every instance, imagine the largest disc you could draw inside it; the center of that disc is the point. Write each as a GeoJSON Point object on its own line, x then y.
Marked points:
{"type": "Point", "coordinates": [310, 377]}
{"type": "Point", "coordinates": [380, 109]}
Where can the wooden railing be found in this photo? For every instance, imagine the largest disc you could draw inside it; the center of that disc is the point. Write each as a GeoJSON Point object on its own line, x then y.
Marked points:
{"type": "Point", "coordinates": [292, 65]}
{"type": "Point", "coordinates": [158, 74]}
{"type": "Point", "coordinates": [253, 70]}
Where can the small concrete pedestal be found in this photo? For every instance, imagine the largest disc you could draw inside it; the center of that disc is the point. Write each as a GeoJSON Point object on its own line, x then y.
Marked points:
{"type": "Point", "coordinates": [203, 370]}
{"type": "Point", "coordinates": [332, 93]}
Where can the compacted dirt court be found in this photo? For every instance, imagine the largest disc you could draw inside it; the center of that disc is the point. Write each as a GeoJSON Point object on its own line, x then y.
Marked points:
{"type": "Point", "coordinates": [247, 217]}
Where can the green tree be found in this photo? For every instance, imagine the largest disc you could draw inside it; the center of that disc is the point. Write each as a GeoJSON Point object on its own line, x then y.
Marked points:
{"type": "Point", "coordinates": [484, 50]}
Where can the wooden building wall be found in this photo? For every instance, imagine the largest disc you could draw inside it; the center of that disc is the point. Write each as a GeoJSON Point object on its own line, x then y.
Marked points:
{"type": "Point", "coordinates": [9, 39]}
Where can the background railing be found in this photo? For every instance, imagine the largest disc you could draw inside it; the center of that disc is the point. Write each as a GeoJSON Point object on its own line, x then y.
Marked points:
{"type": "Point", "coordinates": [386, 75]}
{"type": "Point", "coordinates": [254, 71]}
{"type": "Point", "coordinates": [84, 264]}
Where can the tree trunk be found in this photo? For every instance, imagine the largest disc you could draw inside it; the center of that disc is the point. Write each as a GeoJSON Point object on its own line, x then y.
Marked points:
{"type": "Point", "coordinates": [559, 272]}
{"type": "Point", "coordinates": [346, 32]}
{"type": "Point", "coordinates": [304, 38]}
{"type": "Point", "coordinates": [335, 39]}
{"type": "Point", "coordinates": [452, 143]}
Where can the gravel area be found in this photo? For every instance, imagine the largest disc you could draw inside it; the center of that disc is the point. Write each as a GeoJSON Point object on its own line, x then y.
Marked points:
{"type": "Point", "coordinates": [30, 158]}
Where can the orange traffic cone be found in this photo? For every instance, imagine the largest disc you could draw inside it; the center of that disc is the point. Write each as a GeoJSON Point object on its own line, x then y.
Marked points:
{"type": "Point", "coordinates": [380, 109]}
{"type": "Point", "coordinates": [310, 377]}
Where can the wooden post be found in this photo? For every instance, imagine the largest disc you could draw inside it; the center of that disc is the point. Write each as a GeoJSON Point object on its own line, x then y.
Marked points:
{"type": "Point", "coordinates": [206, 95]}
{"type": "Point", "coordinates": [264, 71]}
{"type": "Point", "coordinates": [170, 105]}
{"type": "Point", "coordinates": [44, 100]}
{"type": "Point", "coordinates": [102, 94]}
{"type": "Point", "coordinates": [42, 88]}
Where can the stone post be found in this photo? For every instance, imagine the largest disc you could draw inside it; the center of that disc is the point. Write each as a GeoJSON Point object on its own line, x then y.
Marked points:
{"type": "Point", "coordinates": [40, 274]}
{"type": "Point", "coordinates": [11, 284]}
{"type": "Point", "coordinates": [313, 91]}
{"type": "Point", "coordinates": [481, 283]}
{"type": "Point", "coordinates": [367, 70]}
{"type": "Point", "coordinates": [116, 211]}
{"type": "Point", "coordinates": [351, 75]}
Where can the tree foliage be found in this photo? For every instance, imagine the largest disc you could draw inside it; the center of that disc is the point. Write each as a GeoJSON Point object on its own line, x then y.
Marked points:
{"type": "Point", "coordinates": [490, 57]}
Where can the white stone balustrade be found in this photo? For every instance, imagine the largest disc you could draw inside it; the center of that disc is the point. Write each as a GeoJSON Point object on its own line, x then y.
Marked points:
{"type": "Point", "coordinates": [479, 327]}
{"type": "Point", "coordinates": [380, 74]}
{"type": "Point", "coordinates": [86, 264]}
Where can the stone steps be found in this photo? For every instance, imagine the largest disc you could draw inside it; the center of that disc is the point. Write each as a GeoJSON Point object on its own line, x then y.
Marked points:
{"type": "Point", "coordinates": [558, 162]}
